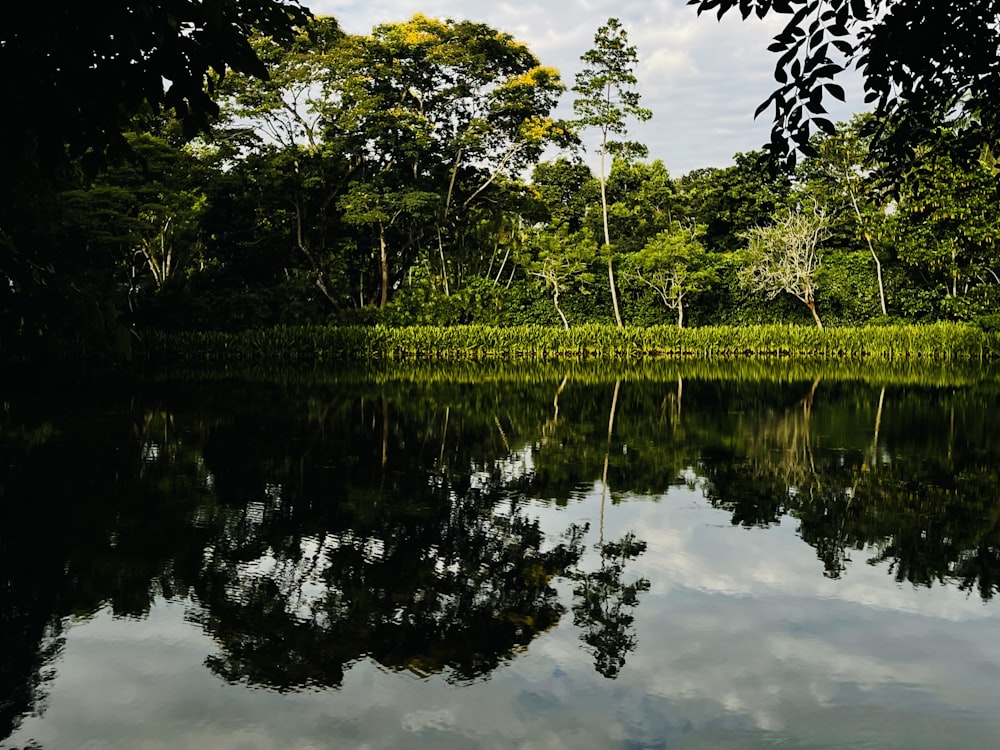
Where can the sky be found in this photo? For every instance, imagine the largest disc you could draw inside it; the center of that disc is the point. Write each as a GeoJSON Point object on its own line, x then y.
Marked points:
{"type": "Point", "coordinates": [702, 78]}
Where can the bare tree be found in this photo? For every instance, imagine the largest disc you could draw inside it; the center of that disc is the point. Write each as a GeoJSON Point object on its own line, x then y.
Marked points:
{"type": "Point", "coordinates": [784, 257]}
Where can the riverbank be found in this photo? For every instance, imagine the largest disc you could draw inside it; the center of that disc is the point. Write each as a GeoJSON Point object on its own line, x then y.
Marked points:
{"type": "Point", "coordinates": [938, 342]}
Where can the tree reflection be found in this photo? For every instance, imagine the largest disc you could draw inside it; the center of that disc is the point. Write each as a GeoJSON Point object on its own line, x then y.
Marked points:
{"type": "Point", "coordinates": [604, 605]}
{"type": "Point", "coordinates": [929, 511]}
{"type": "Point", "coordinates": [459, 595]}
{"type": "Point", "coordinates": [311, 526]}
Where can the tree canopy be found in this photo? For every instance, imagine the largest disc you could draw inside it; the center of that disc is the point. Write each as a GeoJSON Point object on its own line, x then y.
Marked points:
{"type": "Point", "coordinates": [83, 70]}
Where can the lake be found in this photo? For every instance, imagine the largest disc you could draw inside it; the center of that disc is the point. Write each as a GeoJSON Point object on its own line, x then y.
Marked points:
{"type": "Point", "coordinates": [667, 555]}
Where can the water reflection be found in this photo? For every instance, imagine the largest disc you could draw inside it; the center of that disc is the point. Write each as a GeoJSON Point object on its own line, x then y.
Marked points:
{"type": "Point", "coordinates": [309, 525]}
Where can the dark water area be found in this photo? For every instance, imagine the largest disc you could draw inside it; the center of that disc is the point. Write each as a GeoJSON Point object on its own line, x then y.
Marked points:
{"type": "Point", "coordinates": [740, 555]}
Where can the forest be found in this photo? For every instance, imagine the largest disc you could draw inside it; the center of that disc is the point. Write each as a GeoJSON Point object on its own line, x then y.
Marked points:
{"type": "Point", "coordinates": [420, 175]}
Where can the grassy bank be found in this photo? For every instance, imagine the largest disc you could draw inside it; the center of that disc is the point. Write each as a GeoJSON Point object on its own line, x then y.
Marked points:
{"type": "Point", "coordinates": [939, 342]}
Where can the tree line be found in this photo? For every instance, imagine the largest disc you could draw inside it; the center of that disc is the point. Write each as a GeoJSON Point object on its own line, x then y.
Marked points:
{"type": "Point", "coordinates": [420, 174]}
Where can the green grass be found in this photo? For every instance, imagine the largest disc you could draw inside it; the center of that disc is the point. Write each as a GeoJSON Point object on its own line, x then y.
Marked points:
{"type": "Point", "coordinates": [939, 342]}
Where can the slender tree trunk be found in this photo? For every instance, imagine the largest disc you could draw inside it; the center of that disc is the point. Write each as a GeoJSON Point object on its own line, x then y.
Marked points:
{"type": "Point", "coordinates": [444, 267]}
{"type": "Point", "coordinates": [317, 269]}
{"type": "Point", "coordinates": [881, 283]}
{"type": "Point", "coordinates": [954, 272]}
{"type": "Point", "coordinates": [503, 263]}
{"type": "Point", "coordinates": [607, 236]}
{"type": "Point", "coordinates": [871, 249]}
{"type": "Point", "coordinates": [680, 312]}
{"type": "Point", "coordinates": [555, 301]}
{"type": "Point", "coordinates": [383, 268]}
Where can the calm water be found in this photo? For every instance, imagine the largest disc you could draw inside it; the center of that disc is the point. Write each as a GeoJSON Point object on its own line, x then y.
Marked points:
{"type": "Point", "coordinates": [737, 556]}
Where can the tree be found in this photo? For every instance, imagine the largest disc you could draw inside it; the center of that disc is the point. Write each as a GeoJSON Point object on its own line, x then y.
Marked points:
{"type": "Point", "coordinates": [840, 161]}
{"type": "Point", "coordinates": [565, 190]}
{"type": "Point", "coordinates": [606, 99]}
{"type": "Point", "coordinates": [286, 113]}
{"type": "Point", "coordinates": [447, 107]}
{"type": "Point", "coordinates": [945, 226]}
{"type": "Point", "coordinates": [924, 64]}
{"type": "Point", "coordinates": [383, 208]}
{"type": "Point", "coordinates": [285, 108]}
{"type": "Point", "coordinates": [641, 203]}
{"type": "Point", "coordinates": [784, 257]}
{"type": "Point", "coordinates": [673, 265]}
{"type": "Point", "coordinates": [732, 200]}
{"type": "Point", "coordinates": [83, 73]}
{"type": "Point", "coordinates": [562, 260]}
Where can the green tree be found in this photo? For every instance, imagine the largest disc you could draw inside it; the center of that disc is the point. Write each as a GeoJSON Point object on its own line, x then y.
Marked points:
{"type": "Point", "coordinates": [308, 169]}
{"type": "Point", "coordinates": [945, 226]}
{"type": "Point", "coordinates": [562, 261]}
{"type": "Point", "coordinates": [642, 202]}
{"type": "Point", "coordinates": [730, 201]}
{"type": "Point", "coordinates": [606, 99]}
{"type": "Point", "coordinates": [453, 108]}
{"type": "Point", "coordinates": [840, 172]}
{"type": "Point", "coordinates": [673, 264]}
{"type": "Point", "coordinates": [84, 73]}
{"type": "Point", "coordinates": [565, 189]}
{"type": "Point", "coordinates": [285, 108]}
{"type": "Point", "coordinates": [379, 207]}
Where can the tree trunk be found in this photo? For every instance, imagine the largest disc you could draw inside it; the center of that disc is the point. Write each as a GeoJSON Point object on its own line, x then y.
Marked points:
{"type": "Point", "coordinates": [555, 301]}
{"type": "Point", "coordinates": [812, 309]}
{"type": "Point", "coordinates": [871, 249]}
{"type": "Point", "coordinates": [444, 267]}
{"type": "Point", "coordinates": [680, 312]}
{"type": "Point", "coordinates": [607, 237]}
{"type": "Point", "coordinates": [881, 284]}
{"type": "Point", "coordinates": [383, 268]}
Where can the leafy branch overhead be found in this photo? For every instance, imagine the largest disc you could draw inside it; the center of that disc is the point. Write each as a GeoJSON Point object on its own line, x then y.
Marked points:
{"type": "Point", "coordinates": [925, 64]}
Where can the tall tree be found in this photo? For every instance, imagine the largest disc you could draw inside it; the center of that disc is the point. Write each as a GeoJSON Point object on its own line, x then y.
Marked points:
{"type": "Point", "coordinates": [840, 161]}
{"type": "Point", "coordinates": [946, 226]}
{"type": "Point", "coordinates": [606, 99]}
{"type": "Point", "coordinates": [285, 114]}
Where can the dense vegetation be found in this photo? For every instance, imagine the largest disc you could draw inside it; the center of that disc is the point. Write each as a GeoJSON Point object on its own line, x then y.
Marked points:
{"type": "Point", "coordinates": [419, 176]}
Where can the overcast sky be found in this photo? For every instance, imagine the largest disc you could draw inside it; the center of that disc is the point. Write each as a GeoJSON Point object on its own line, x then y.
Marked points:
{"type": "Point", "coordinates": [702, 78]}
